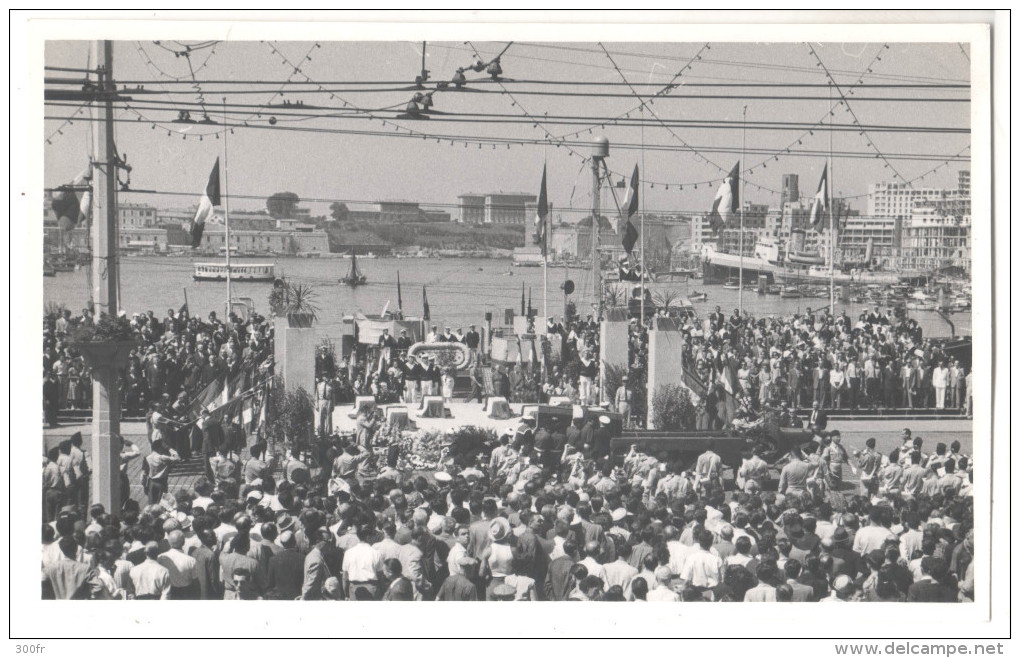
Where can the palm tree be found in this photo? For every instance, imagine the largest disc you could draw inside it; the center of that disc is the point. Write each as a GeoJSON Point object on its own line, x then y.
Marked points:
{"type": "Point", "coordinates": [665, 299]}
{"type": "Point", "coordinates": [614, 296]}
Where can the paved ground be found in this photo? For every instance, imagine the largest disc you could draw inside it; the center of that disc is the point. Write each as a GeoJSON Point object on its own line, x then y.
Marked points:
{"type": "Point", "coordinates": [855, 433]}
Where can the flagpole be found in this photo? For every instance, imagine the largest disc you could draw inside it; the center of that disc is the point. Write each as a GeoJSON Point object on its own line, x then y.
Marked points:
{"type": "Point", "coordinates": [545, 252]}
{"type": "Point", "coordinates": [226, 204]}
{"type": "Point", "coordinates": [740, 276]}
{"type": "Point", "coordinates": [832, 234]}
{"type": "Point", "coordinates": [641, 201]}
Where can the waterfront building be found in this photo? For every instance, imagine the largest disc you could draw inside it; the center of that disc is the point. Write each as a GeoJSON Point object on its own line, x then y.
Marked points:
{"type": "Point", "coordinates": [136, 215]}
{"type": "Point", "coordinates": [495, 208]}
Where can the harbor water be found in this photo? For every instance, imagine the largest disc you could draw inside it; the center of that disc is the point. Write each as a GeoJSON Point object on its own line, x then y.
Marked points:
{"type": "Point", "coordinates": [460, 290]}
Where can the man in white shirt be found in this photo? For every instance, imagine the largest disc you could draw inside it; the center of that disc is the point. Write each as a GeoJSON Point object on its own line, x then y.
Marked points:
{"type": "Point", "coordinates": [872, 536]}
{"type": "Point", "coordinates": [362, 564]}
{"type": "Point", "coordinates": [702, 568]}
{"type": "Point", "coordinates": [150, 579]}
{"type": "Point", "coordinates": [590, 561]}
{"type": "Point", "coordinates": [459, 551]}
{"type": "Point", "coordinates": [662, 592]}
{"type": "Point", "coordinates": [619, 572]}
{"type": "Point", "coordinates": [181, 568]}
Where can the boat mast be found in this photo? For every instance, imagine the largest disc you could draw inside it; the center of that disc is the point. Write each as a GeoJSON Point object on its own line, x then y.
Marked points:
{"type": "Point", "coordinates": [226, 204]}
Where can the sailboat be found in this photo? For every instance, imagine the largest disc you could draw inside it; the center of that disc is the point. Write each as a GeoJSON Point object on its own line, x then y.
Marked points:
{"type": "Point", "coordinates": [354, 276]}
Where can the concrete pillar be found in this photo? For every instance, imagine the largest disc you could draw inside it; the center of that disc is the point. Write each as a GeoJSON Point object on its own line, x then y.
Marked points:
{"type": "Point", "coordinates": [665, 363]}
{"type": "Point", "coordinates": [295, 355]}
{"type": "Point", "coordinates": [105, 456]}
{"type": "Point", "coordinates": [106, 360]}
{"type": "Point", "coordinates": [614, 352]}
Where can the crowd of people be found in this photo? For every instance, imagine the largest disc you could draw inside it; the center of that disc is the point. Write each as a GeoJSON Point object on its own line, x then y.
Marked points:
{"type": "Point", "coordinates": [831, 361]}
{"type": "Point", "coordinates": [175, 359]}
{"type": "Point", "coordinates": [546, 513]}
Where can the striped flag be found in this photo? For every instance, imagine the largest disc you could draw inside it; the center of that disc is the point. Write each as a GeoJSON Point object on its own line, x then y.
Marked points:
{"type": "Point", "coordinates": [727, 200]}
{"type": "Point", "coordinates": [426, 313]}
{"type": "Point", "coordinates": [542, 218]}
{"type": "Point", "coordinates": [210, 199]}
{"type": "Point", "coordinates": [820, 203]}
{"type": "Point", "coordinates": [630, 234]}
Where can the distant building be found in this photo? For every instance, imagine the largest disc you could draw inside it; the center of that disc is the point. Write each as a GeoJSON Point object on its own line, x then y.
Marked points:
{"type": "Point", "coordinates": [495, 208]}
{"type": "Point", "coordinates": [936, 237]}
{"type": "Point", "coordinates": [791, 189]}
{"type": "Point", "coordinates": [136, 215]}
{"type": "Point", "coordinates": [472, 208]}
{"type": "Point", "coordinates": [276, 241]}
{"type": "Point", "coordinates": [898, 199]}
{"type": "Point", "coordinates": [397, 212]}
{"type": "Point", "coordinates": [142, 239]}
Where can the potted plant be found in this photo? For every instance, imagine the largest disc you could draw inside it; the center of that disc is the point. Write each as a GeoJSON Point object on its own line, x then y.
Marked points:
{"type": "Point", "coordinates": [106, 343]}
{"type": "Point", "coordinates": [296, 302]}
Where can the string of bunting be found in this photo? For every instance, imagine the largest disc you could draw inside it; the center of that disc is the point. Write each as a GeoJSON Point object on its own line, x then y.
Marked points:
{"type": "Point", "coordinates": [846, 105]}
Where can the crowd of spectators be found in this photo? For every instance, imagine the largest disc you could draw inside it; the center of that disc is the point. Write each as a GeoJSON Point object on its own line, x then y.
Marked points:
{"type": "Point", "coordinates": [175, 359]}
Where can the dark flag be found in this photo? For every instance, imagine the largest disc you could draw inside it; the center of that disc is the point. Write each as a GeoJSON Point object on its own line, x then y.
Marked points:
{"type": "Point", "coordinates": [210, 199]}
{"type": "Point", "coordinates": [630, 234]}
{"type": "Point", "coordinates": [400, 301]}
{"type": "Point", "coordinates": [820, 203]}
{"type": "Point", "coordinates": [426, 314]}
{"type": "Point", "coordinates": [522, 298]}
{"type": "Point", "coordinates": [542, 218]}
{"type": "Point", "coordinates": [727, 200]}
{"type": "Point", "coordinates": [529, 302]}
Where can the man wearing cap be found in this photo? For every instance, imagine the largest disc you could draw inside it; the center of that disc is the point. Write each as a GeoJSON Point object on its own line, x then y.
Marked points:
{"type": "Point", "coordinates": [601, 438]}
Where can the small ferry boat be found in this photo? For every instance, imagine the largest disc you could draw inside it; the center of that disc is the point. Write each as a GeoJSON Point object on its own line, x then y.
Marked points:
{"type": "Point", "coordinates": [238, 272]}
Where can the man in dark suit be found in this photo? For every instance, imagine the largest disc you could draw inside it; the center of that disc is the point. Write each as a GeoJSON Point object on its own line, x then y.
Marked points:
{"type": "Point", "coordinates": [930, 588]}
{"type": "Point", "coordinates": [818, 419]}
{"type": "Point", "coordinates": [286, 570]}
{"type": "Point", "coordinates": [558, 582]}
{"type": "Point", "coordinates": [472, 339]}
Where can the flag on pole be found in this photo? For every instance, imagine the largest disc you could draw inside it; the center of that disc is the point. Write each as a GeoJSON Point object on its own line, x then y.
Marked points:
{"type": "Point", "coordinates": [426, 315]}
{"type": "Point", "coordinates": [630, 234]}
{"type": "Point", "coordinates": [529, 302]}
{"type": "Point", "coordinates": [542, 218]}
{"type": "Point", "coordinates": [69, 208]}
{"type": "Point", "coordinates": [727, 200]}
{"type": "Point", "coordinates": [820, 203]}
{"type": "Point", "coordinates": [400, 300]}
{"type": "Point", "coordinates": [522, 298]}
{"type": "Point", "coordinates": [210, 199]}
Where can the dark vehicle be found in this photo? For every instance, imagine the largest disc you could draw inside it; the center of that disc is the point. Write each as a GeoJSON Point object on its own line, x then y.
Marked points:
{"type": "Point", "coordinates": [731, 445]}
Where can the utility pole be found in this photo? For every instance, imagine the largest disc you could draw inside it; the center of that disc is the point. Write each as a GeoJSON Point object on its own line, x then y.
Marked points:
{"type": "Point", "coordinates": [600, 152]}
{"type": "Point", "coordinates": [105, 443]}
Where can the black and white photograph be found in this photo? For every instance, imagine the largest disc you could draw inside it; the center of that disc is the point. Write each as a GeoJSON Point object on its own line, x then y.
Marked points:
{"type": "Point", "coordinates": [347, 315]}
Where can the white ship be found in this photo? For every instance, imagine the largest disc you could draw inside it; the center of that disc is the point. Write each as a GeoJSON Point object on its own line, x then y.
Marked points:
{"type": "Point", "coordinates": [238, 272]}
{"type": "Point", "coordinates": [788, 266]}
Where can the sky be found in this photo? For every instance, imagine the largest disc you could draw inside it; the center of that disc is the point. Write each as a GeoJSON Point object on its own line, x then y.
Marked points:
{"type": "Point", "coordinates": [327, 166]}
